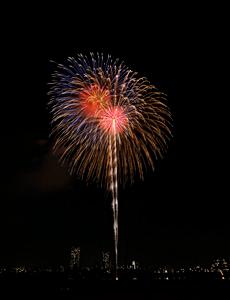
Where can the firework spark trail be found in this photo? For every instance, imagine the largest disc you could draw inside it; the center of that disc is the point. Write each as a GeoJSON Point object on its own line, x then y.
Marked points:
{"type": "Point", "coordinates": [114, 190]}
{"type": "Point", "coordinates": [107, 123]}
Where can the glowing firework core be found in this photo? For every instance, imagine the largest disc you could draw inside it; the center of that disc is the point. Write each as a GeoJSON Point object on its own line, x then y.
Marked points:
{"type": "Point", "coordinates": [94, 99]}
{"type": "Point", "coordinates": [113, 120]}
{"type": "Point", "coordinates": [96, 102]}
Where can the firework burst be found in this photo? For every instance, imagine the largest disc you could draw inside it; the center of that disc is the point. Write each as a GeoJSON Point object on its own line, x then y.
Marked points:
{"type": "Point", "coordinates": [108, 123]}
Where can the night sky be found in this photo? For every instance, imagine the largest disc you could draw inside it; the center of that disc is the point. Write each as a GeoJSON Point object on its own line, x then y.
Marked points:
{"type": "Point", "coordinates": [179, 214]}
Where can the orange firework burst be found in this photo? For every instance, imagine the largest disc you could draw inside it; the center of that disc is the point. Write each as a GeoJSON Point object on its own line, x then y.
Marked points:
{"type": "Point", "coordinates": [95, 97]}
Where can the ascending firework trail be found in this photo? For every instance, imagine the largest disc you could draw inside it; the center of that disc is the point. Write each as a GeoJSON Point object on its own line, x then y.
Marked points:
{"type": "Point", "coordinates": [107, 123]}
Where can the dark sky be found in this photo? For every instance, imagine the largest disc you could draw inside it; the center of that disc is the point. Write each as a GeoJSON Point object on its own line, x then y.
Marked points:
{"type": "Point", "coordinates": [179, 213]}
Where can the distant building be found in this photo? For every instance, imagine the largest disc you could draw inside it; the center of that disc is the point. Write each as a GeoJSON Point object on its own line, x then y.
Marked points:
{"type": "Point", "coordinates": [222, 264]}
{"type": "Point", "coordinates": [134, 264]}
{"type": "Point", "coordinates": [75, 258]}
{"type": "Point", "coordinates": [20, 269]}
{"type": "Point", "coordinates": [106, 261]}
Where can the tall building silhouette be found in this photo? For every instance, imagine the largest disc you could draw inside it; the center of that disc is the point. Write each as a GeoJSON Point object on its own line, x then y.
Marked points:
{"type": "Point", "coordinates": [75, 258]}
{"type": "Point", "coordinates": [106, 261]}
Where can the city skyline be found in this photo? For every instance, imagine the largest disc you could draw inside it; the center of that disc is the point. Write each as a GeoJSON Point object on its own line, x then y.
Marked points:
{"type": "Point", "coordinates": [216, 269]}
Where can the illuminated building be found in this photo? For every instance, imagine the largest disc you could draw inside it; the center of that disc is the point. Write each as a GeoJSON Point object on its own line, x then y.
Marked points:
{"type": "Point", "coordinates": [75, 257]}
{"type": "Point", "coordinates": [20, 269]}
{"type": "Point", "coordinates": [222, 264]}
{"type": "Point", "coordinates": [106, 260]}
{"type": "Point", "coordinates": [134, 264]}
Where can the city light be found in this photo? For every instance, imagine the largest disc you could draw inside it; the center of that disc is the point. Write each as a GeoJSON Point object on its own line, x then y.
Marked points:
{"type": "Point", "coordinates": [217, 269]}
